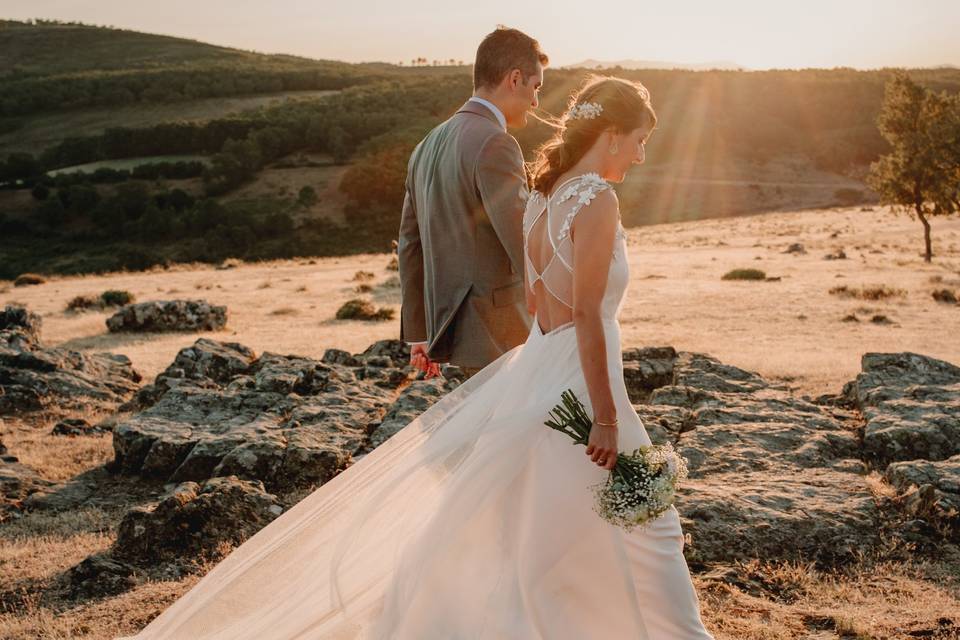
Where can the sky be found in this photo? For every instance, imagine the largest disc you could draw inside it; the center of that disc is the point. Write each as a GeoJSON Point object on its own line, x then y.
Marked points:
{"type": "Point", "coordinates": [766, 34]}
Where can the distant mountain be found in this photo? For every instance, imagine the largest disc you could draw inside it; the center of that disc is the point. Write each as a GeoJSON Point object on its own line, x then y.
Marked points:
{"type": "Point", "coordinates": [655, 64]}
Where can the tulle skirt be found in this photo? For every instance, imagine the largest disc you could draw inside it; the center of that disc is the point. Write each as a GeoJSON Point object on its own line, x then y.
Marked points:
{"type": "Point", "coordinates": [474, 521]}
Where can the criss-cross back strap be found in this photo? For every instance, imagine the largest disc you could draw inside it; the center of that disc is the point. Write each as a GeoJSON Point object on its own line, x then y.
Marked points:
{"type": "Point", "coordinates": [560, 208]}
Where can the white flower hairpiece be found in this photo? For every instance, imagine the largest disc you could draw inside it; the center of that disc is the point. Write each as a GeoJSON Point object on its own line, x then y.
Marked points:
{"type": "Point", "coordinates": [588, 110]}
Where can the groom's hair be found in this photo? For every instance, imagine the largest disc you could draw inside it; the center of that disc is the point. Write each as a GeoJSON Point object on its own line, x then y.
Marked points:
{"type": "Point", "coordinates": [501, 52]}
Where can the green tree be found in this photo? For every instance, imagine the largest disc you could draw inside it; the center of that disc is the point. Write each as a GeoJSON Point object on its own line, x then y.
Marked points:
{"type": "Point", "coordinates": [83, 198]}
{"type": "Point", "coordinates": [41, 192]}
{"type": "Point", "coordinates": [922, 169]}
{"type": "Point", "coordinates": [52, 212]}
{"type": "Point", "coordinates": [307, 196]}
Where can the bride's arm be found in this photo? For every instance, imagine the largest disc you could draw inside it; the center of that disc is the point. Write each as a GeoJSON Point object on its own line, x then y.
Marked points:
{"type": "Point", "coordinates": [593, 233]}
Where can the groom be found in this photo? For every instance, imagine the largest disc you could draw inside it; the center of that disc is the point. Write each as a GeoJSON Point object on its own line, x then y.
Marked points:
{"type": "Point", "coordinates": [460, 249]}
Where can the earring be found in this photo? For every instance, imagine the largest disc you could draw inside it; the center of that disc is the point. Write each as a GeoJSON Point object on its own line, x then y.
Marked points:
{"type": "Point", "coordinates": [614, 149]}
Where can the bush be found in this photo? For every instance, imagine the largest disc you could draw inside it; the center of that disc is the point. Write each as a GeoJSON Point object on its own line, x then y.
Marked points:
{"type": "Point", "coordinates": [745, 274]}
{"type": "Point", "coordinates": [84, 303]}
{"type": "Point", "coordinates": [52, 212]}
{"type": "Point", "coordinates": [111, 298]}
{"type": "Point", "coordinates": [116, 298]}
{"type": "Point", "coordinates": [359, 309]}
{"type": "Point", "coordinates": [307, 196]}
{"type": "Point", "coordinates": [28, 279]}
{"type": "Point", "coordinates": [82, 198]}
{"type": "Point", "coordinates": [41, 192]}
{"type": "Point", "coordinates": [875, 292]}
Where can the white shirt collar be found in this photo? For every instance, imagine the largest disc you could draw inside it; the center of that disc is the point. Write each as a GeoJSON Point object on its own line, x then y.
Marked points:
{"type": "Point", "coordinates": [489, 105]}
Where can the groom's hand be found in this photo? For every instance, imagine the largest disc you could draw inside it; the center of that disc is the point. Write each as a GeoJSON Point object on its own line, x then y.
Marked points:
{"type": "Point", "coordinates": [420, 360]}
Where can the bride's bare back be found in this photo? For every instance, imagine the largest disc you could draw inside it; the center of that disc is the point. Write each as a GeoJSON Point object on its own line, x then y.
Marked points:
{"type": "Point", "coordinates": [550, 253]}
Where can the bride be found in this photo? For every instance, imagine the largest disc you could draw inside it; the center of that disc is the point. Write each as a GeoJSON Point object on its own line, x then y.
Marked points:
{"type": "Point", "coordinates": [476, 520]}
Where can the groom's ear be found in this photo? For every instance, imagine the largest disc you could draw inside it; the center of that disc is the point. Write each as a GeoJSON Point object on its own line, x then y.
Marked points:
{"type": "Point", "coordinates": [514, 78]}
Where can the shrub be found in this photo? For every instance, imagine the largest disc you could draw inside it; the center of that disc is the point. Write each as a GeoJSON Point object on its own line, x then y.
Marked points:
{"type": "Point", "coordinates": [111, 298]}
{"type": "Point", "coordinates": [745, 274]}
{"type": "Point", "coordinates": [27, 279]}
{"type": "Point", "coordinates": [359, 309]}
{"type": "Point", "coordinates": [84, 303]}
{"type": "Point", "coordinates": [945, 295]}
{"type": "Point", "coordinates": [116, 298]}
{"type": "Point", "coordinates": [875, 292]}
{"type": "Point", "coordinates": [52, 212]}
{"type": "Point", "coordinates": [41, 192]}
{"type": "Point", "coordinates": [307, 196]}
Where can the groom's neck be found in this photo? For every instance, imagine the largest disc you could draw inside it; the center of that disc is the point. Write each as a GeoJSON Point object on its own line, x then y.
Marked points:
{"type": "Point", "coordinates": [491, 96]}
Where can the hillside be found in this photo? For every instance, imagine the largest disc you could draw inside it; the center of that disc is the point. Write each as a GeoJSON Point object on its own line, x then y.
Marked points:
{"type": "Point", "coordinates": [38, 50]}
{"type": "Point", "coordinates": [115, 67]}
{"type": "Point", "coordinates": [215, 153]}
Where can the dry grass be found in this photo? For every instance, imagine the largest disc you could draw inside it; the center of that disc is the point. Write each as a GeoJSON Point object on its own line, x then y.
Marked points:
{"type": "Point", "coordinates": [57, 458]}
{"type": "Point", "coordinates": [870, 601]}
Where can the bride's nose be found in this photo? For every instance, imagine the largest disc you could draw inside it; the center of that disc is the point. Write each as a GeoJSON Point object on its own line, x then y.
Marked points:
{"type": "Point", "coordinates": [641, 155]}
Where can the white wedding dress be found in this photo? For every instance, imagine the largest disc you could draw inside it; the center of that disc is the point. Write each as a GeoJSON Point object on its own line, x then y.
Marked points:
{"type": "Point", "coordinates": [475, 521]}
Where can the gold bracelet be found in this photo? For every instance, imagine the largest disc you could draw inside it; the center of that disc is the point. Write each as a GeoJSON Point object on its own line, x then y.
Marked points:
{"type": "Point", "coordinates": [605, 424]}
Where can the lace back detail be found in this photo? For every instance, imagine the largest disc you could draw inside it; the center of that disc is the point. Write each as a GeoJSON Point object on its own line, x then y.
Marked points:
{"type": "Point", "coordinates": [548, 220]}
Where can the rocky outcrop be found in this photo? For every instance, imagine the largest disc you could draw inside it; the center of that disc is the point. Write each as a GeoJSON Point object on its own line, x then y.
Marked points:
{"type": "Point", "coordinates": [34, 377]}
{"type": "Point", "coordinates": [288, 421]}
{"type": "Point", "coordinates": [929, 490]}
{"type": "Point", "coordinates": [18, 320]}
{"type": "Point", "coordinates": [772, 475]}
{"type": "Point", "coordinates": [911, 404]}
{"type": "Point", "coordinates": [190, 525]}
{"type": "Point", "coordinates": [194, 521]}
{"type": "Point", "coordinates": [17, 483]}
{"type": "Point", "coordinates": [169, 315]}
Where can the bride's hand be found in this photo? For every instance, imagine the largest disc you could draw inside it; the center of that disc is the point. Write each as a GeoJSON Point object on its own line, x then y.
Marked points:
{"type": "Point", "coordinates": [602, 446]}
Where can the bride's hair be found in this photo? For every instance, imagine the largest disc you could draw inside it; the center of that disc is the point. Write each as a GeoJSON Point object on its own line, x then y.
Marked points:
{"type": "Point", "coordinates": [625, 106]}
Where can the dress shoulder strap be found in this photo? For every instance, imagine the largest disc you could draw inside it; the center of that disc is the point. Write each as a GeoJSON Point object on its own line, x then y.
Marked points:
{"type": "Point", "coordinates": [585, 189]}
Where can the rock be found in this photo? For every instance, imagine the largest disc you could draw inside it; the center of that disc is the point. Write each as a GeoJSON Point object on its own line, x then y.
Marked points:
{"type": "Point", "coordinates": [18, 319]}
{"type": "Point", "coordinates": [169, 315]}
{"type": "Point", "coordinates": [99, 576]}
{"type": "Point", "coordinates": [911, 404]}
{"type": "Point", "coordinates": [76, 427]}
{"type": "Point", "coordinates": [771, 475]}
{"type": "Point", "coordinates": [33, 377]}
{"type": "Point", "coordinates": [817, 515]}
{"type": "Point", "coordinates": [416, 398]}
{"type": "Point", "coordinates": [929, 490]}
{"type": "Point", "coordinates": [17, 483]}
{"type": "Point", "coordinates": [796, 247]}
{"type": "Point", "coordinates": [195, 522]}
{"type": "Point", "coordinates": [839, 254]}
{"type": "Point", "coordinates": [288, 421]}
{"type": "Point", "coordinates": [645, 369]}
{"type": "Point", "coordinates": [339, 356]}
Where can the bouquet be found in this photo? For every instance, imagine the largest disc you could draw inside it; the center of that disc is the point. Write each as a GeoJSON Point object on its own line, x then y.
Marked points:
{"type": "Point", "coordinates": [643, 483]}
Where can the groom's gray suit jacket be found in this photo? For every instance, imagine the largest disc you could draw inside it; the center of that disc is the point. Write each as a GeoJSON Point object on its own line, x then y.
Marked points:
{"type": "Point", "coordinates": [461, 241]}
